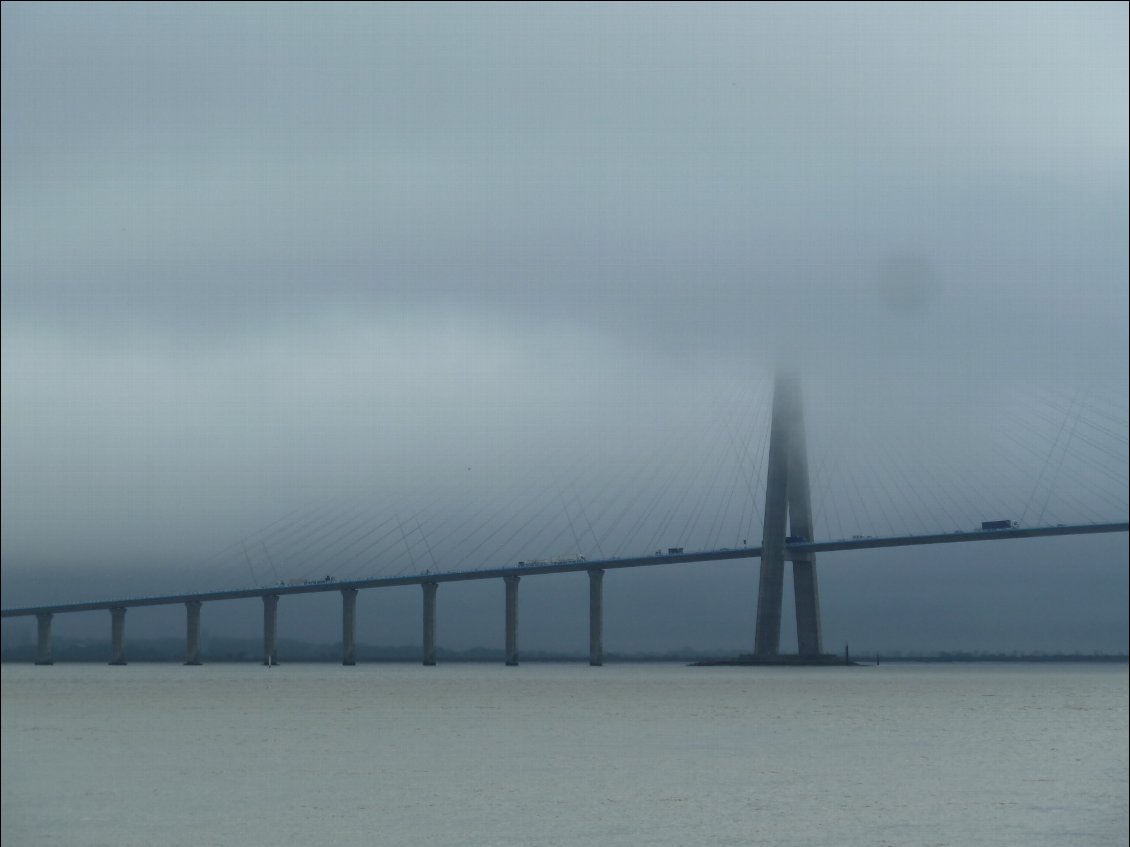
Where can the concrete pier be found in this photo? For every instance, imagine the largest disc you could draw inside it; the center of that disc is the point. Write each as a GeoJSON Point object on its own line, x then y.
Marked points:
{"type": "Point", "coordinates": [118, 635]}
{"type": "Point", "coordinates": [805, 593]}
{"type": "Point", "coordinates": [596, 617]}
{"type": "Point", "coordinates": [192, 636]}
{"type": "Point", "coordinates": [349, 626]}
{"type": "Point", "coordinates": [511, 620]}
{"type": "Point", "coordinates": [43, 639]}
{"type": "Point", "coordinates": [429, 622]}
{"type": "Point", "coordinates": [270, 629]}
{"type": "Point", "coordinates": [767, 638]}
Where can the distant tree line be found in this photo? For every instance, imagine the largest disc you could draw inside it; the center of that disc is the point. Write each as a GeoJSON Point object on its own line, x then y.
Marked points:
{"type": "Point", "coordinates": [228, 649]}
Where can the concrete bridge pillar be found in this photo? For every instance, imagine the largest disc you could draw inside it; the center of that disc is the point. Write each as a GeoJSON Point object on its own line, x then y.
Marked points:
{"type": "Point", "coordinates": [349, 626]}
{"type": "Point", "coordinates": [429, 622]}
{"type": "Point", "coordinates": [805, 594]}
{"type": "Point", "coordinates": [511, 620]}
{"type": "Point", "coordinates": [787, 506]}
{"type": "Point", "coordinates": [43, 639]}
{"type": "Point", "coordinates": [807, 599]}
{"type": "Point", "coordinates": [270, 629]}
{"type": "Point", "coordinates": [596, 617]}
{"type": "Point", "coordinates": [192, 636]}
{"type": "Point", "coordinates": [767, 637]}
{"type": "Point", "coordinates": [118, 635]}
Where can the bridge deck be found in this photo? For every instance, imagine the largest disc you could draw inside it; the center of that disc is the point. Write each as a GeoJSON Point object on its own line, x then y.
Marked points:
{"type": "Point", "coordinates": [795, 550]}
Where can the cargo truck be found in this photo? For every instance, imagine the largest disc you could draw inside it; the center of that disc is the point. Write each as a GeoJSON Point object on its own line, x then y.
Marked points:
{"type": "Point", "coordinates": [998, 524]}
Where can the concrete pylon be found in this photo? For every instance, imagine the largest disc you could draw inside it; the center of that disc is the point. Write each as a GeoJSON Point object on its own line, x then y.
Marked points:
{"type": "Point", "coordinates": [788, 505]}
{"type": "Point", "coordinates": [596, 617]}
{"type": "Point", "coordinates": [43, 639]}
{"type": "Point", "coordinates": [118, 635]}
{"type": "Point", "coordinates": [270, 629]}
{"type": "Point", "coordinates": [349, 626]}
{"type": "Point", "coordinates": [430, 588]}
{"type": "Point", "coordinates": [192, 635]}
{"type": "Point", "coordinates": [767, 639]}
{"type": "Point", "coordinates": [805, 592]}
{"type": "Point", "coordinates": [511, 620]}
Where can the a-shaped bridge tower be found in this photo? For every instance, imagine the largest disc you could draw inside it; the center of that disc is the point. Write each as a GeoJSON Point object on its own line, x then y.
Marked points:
{"type": "Point", "coordinates": [788, 506]}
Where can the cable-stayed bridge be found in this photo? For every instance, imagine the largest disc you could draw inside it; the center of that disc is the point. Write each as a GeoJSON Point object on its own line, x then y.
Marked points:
{"type": "Point", "coordinates": [1094, 442]}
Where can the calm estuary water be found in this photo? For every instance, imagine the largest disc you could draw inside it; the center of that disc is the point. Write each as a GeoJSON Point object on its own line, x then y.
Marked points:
{"type": "Point", "coordinates": [564, 755]}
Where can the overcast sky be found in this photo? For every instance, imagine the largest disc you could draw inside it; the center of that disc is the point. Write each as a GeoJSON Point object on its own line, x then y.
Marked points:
{"type": "Point", "coordinates": [438, 264]}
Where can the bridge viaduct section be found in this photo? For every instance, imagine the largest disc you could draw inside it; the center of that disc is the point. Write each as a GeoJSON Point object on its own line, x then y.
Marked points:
{"type": "Point", "coordinates": [270, 598]}
{"type": "Point", "coordinates": [787, 536]}
{"type": "Point", "coordinates": [793, 550]}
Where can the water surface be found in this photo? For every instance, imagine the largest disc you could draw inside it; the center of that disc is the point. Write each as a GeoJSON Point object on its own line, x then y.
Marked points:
{"type": "Point", "coordinates": [564, 755]}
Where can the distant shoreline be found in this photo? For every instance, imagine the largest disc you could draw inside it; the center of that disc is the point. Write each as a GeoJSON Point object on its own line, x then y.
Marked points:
{"type": "Point", "coordinates": [228, 651]}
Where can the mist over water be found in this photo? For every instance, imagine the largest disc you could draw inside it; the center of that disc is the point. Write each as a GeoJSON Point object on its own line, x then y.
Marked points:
{"type": "Point", "coordinates": [1010, 756]}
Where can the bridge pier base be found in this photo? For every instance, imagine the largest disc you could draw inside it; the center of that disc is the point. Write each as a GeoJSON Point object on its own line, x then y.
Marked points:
{"type": "Point", "coordinates": [807, 601]}
{"type": "Point", "coordinates": [596, 617]}
{"type": "Point", "coordinates": [43, 639]}
{"type": "Point", "coordinates": [511, 620]}
{"type": "Point", "coordinates": [349, 626]}
{"type": "Point", "coordinates": [118, 635]}
{"type": "Point", "coordinates": [270, 629]}
{"type": "Point", "coordinates": [192, 635]}
{"type": "Point", "coordinates": [429, 658]}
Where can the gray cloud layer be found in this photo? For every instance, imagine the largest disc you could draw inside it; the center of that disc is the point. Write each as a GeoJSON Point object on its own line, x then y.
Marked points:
{"type": "Point", "coordinates": [254, 255]}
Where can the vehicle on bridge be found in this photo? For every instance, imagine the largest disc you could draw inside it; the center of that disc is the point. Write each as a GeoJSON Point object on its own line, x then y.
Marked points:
{"type": "Point", "coordinates": [302, 580]}
{"type": "Point", "coordinates": [563, 559]}
{"type": "Point", "coordinates": [998, 524]}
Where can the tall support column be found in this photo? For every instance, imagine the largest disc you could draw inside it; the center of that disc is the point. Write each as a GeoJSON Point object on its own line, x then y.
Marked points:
{"type": "Point", "coordinates": [596, 617]}
{"type": "Point", "coordinates": [805, 593]}
{"type": "Point", "coordinates": [349, 626]}
{"type": "Point", "coordinates": [118, 635]}
{"type": "Point", "coordinates": [43, 639]}
{"type": "Point", "coordinates": [192, 636]}
{"type": "Point", "coordinates": [511, 620]}
{"type": "Point", "coordinates": [767, 640]}
{"type": "Point", "coordinates": [270, 629]}
{"type": "Point", "coordinates": [429, 622]}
